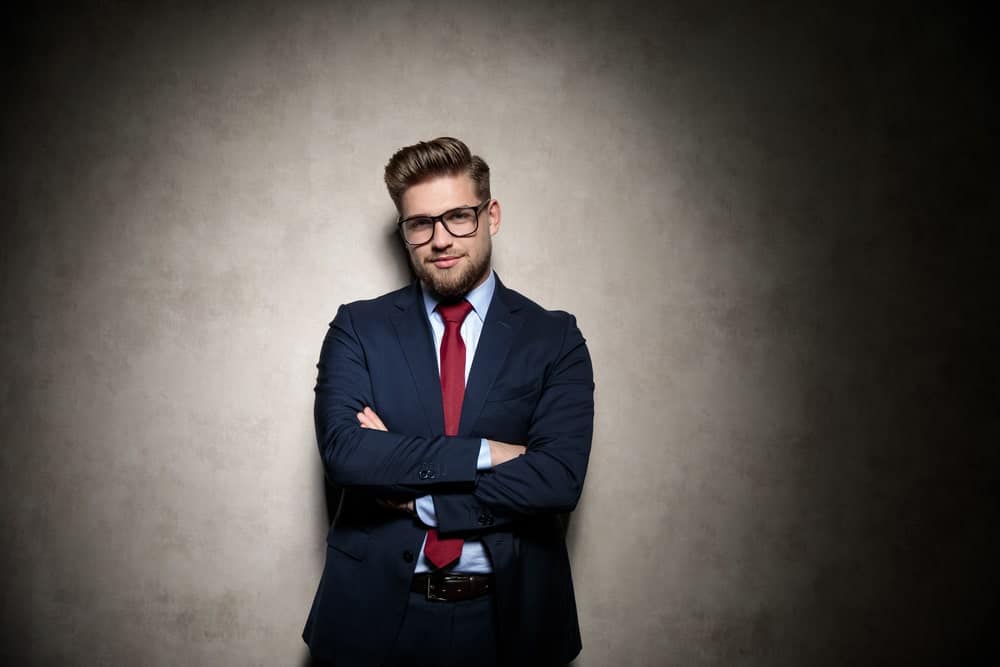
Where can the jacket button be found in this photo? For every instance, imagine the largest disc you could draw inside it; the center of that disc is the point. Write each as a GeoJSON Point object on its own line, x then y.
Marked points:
{"type": "Point", "coordinates": [485, 519]}
{"type": "Point", "coordinates": [408, 556]}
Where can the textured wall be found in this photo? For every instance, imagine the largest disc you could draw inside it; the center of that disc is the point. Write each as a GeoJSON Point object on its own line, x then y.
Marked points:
{"type": "Point", "coordinates": [764, 219]}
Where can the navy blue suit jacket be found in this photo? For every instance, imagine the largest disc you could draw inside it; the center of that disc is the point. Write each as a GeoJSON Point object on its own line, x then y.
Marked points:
{"type": "Point", "coordinates": [531, 383]}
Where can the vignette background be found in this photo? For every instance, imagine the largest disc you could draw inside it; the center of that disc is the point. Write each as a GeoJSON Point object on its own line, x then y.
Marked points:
{"type": "Point", "coordinates": [767, 219]}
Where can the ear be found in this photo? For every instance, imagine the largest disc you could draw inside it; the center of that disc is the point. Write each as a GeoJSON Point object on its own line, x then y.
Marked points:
{"type": "Point", "coordinates": [494, 212]}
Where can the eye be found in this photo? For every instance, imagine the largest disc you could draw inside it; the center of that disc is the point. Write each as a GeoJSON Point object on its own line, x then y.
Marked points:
{"type": "Point", "coordinates": [417, 224]}
{"type": "Point", "coordinates": [460, 215]}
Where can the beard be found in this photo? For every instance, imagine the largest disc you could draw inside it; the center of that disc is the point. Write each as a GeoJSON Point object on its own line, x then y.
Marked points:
{"type": "Point", "coordinates": [451, 285]}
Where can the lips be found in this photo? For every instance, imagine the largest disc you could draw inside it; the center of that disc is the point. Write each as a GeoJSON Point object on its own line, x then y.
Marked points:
{"type": "Point", "coordinates": [444, 262]}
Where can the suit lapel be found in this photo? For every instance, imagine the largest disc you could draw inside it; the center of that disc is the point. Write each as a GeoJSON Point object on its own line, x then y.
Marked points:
{"type": "Point", "coordinates": [414, 332]}
{"type": "Point", "coordinates": [499, 330]}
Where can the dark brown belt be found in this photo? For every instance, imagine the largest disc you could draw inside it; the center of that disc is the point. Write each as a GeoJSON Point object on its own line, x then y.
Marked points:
{"type": "Point", "coordinates": [451, 586]}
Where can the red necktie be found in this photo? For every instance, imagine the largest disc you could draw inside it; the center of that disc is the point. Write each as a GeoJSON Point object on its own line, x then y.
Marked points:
{"type": "Point", "coordinates": [439, 551]}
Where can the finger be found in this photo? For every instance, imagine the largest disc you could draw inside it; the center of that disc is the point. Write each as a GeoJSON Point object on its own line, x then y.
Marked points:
{"type": "Point", "coordinates": [391, 504]}
{"type": "Point", "coordinates": [374, 419]}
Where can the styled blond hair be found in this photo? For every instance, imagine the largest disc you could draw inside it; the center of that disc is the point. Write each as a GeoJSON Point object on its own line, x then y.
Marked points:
{"type": "Point", "coordinates": [444, 156]}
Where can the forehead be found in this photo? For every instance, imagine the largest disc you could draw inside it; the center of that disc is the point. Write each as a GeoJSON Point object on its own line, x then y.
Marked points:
{"type": "Point", "coordinates": [438, 194]}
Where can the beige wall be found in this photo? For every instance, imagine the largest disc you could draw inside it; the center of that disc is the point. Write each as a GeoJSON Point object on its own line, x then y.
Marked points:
{"type": "Point", "coordinates": [744, 209]}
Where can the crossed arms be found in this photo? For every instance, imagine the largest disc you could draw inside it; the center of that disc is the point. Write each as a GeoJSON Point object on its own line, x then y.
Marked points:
{"type": "Point", "coordinates": [500, 452]}
{"type": "Point", "coordinates": [544, 475]}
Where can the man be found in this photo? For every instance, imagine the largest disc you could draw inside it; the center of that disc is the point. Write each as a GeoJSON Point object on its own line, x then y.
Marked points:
{"type": "Point", "coordinates": [455, 417]}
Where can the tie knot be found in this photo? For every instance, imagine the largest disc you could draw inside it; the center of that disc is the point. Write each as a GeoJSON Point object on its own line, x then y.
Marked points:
{"type": "Point", "coordinates": [454, 312]}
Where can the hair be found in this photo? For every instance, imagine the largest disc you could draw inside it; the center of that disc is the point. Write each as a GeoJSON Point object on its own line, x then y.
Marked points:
{"type": "Point", "coordinates": [444, 156]}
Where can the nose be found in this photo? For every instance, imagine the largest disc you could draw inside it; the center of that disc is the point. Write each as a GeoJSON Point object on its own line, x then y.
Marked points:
{"type": "Point", "coordinates": [441, 238]}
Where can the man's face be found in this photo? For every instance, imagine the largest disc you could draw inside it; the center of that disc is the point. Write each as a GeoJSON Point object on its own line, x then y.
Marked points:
{"type": "Point", "coordinates": [451, 266]}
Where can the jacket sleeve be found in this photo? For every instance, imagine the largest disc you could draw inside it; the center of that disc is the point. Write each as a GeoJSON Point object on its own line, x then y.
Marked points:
{"type": "Point", "coordinates": [549, 476]}
{"type": "Point", "coordinates": [378, 461]}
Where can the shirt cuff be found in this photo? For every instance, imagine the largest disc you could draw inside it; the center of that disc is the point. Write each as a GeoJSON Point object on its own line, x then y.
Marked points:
{"type": "Point", "coordinates": [485, 461]}
{"type": "Point", "coordinates": [425, 510]}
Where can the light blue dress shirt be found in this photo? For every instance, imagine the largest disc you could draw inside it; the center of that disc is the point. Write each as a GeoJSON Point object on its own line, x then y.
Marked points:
{"type": "Point", "coordinates": [474, 557]}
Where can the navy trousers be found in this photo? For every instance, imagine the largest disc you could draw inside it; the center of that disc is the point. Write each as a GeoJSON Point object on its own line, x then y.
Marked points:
{"type": "Point", "coordinates": [446, 634]}
{"type": "Point", "coordinates": [442, 634]}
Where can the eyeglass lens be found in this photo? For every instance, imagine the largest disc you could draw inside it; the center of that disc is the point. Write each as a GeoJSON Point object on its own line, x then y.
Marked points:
{"type": "Point", "coordinates": [458, 222]}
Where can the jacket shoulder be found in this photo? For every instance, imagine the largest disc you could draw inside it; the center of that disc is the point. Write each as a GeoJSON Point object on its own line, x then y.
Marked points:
{"type": "Point", "coordinates": [380, 305]}
{"type": "Point", "coordinates": [534, 311]}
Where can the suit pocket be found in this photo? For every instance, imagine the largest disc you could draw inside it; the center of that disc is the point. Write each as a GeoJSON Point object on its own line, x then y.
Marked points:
{"type": "Point", "coordinates": [353, 543]}
{"type": "Point", "coordinates": [511, 392]}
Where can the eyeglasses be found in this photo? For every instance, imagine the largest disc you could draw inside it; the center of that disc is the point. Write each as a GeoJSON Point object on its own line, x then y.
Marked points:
{"type": "Point", "coordinates": [459, 222]}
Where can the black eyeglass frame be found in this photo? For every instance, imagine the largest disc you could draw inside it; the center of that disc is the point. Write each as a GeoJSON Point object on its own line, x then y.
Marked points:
{"type": "Point", "coordinates": [478, 208]}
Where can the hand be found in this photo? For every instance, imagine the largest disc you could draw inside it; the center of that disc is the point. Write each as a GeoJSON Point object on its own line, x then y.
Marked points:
{"type": "Point", "coordinates": [502, 452]}
{"type": "Point", "coordinates": [406, 506]}
{"type": "Point", "coordinates": [368, 419]}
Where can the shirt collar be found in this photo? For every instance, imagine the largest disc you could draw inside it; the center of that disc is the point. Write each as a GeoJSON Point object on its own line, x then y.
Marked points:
{"type": "Point", "coordinates": [480, 297]}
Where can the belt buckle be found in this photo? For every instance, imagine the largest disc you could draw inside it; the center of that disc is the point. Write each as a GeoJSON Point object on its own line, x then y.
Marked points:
{"type": "Point", "coordinates": [430, 592]}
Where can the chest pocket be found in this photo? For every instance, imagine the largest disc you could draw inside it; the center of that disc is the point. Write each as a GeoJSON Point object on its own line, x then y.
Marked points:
{"type": "Point", "coordinates": [507, 411]}
{"type": "Point", "coordinates": [513, 392]}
